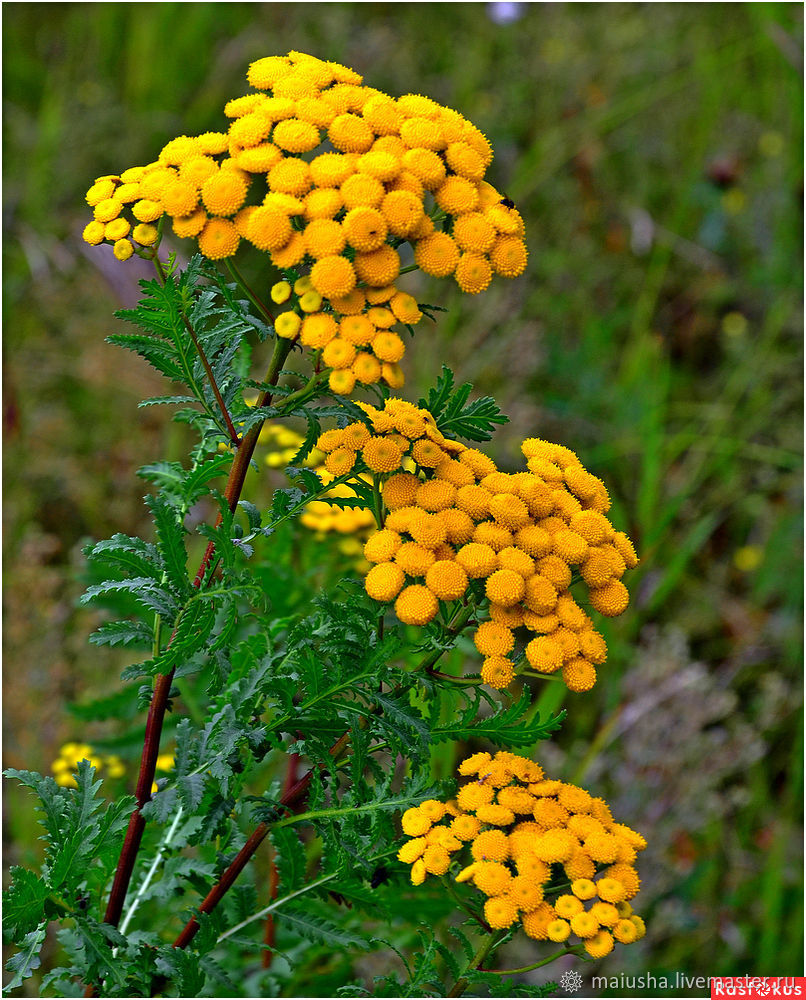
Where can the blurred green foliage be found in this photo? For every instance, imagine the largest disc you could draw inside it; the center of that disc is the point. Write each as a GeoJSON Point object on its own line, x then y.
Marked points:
{"type": "Point", "coordinates": [655, 152]}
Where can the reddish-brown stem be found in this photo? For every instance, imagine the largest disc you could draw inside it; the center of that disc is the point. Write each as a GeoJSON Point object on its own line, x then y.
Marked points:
{"type": "Point", "coordinates": [162, 683]}
{"type": "Point", "coordinates": [274, 875]}
{"type": "Point", "coordinates": [289, 798]}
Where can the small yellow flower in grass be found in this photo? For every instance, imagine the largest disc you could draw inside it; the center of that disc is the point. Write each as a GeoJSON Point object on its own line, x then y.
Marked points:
{"type": "Point", "coordinates": [416, 605]}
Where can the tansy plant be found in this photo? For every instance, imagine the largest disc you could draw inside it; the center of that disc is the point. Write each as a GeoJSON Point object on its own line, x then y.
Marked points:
{"type": "Point", "coordinates": [316, 657]}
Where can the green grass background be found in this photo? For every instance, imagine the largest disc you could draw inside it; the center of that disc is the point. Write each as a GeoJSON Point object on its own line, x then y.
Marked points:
{"type": "Point", "coordinates": [655, 152]}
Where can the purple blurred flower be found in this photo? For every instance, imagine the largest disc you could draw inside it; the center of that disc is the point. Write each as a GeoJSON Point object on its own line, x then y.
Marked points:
{"type": "Point", "coordinates": [504, 13]}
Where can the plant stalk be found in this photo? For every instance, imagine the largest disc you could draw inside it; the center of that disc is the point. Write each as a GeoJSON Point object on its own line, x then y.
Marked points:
{"type": "Point", "coordinates": [483, 951]}
{"type": "Point", "coordinates": [162, 683]}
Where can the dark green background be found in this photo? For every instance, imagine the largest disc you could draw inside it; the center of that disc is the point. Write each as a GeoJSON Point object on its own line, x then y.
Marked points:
{"type": "Point", "coordinates": [655, 152]}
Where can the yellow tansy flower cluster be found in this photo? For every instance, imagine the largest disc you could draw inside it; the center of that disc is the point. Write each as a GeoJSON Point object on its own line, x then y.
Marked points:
{"type": "Point", "coordinates": [454, 518]}
{"type": "Point", "coordinates": [71, 753]}
{"type": "Point", "coordinates": [330, 178]}
{"type": "Point", "coordinates": [353, 335]}
{"type": "Point", "coordinates": [517, 834]}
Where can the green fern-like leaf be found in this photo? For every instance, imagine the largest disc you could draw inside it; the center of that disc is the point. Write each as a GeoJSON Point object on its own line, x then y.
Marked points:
{"type": "Point", "coordinates": [456, 415]}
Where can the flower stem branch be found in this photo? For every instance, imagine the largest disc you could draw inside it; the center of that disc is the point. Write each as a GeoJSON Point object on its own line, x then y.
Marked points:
{"type": "Point", "coordinates": [484, 949]}
{"type": "Point", "coordinates": [233, 434]}
{"type": "Point", "coordinates": [239, 279]}
{"type": "Point", "coordinates": [576, 950]}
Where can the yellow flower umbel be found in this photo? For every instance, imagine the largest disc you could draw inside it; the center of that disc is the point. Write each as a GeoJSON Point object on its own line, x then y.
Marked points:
{"type": "Point", "coordinates": [452, 518]}
{"type": "Point", "coordinates": [351, 174]}
{"type": "Point", "coordinates": [514, 833]}
{"type": "Point", "coordinates": [71, 753]}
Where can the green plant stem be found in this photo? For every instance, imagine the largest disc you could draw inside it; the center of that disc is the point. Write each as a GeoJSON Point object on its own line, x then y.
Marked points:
{"type": "Point", "coordinates": [464, 906]}
{"type": "Point", "coordinates": [484, 949]}
{"type": "Point", "coordinates": [455, 627]}
{"type": "Point", "coordinates": [239, 279]}
{"type": "Point", "coordinates": [233, 434]}
{"type": "Point", "coordinates": [576, 950]}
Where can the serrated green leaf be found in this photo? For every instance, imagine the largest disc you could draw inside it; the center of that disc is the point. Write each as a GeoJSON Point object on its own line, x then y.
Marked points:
{"type": "Point", "coordinates": [23, 964]}
{"type": "Point", "coordinates": [455, 416]}
{"type": "Point", "coordinates": [123, 633]}
{"type": "Point", "coordinates": [171, 539]}
{"type": "Point", "coordinates": [290, 858]}
{"type": "Point", "coordinates": [320, 929]}
{"type": "Point", "coordinates": [23, 902]}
